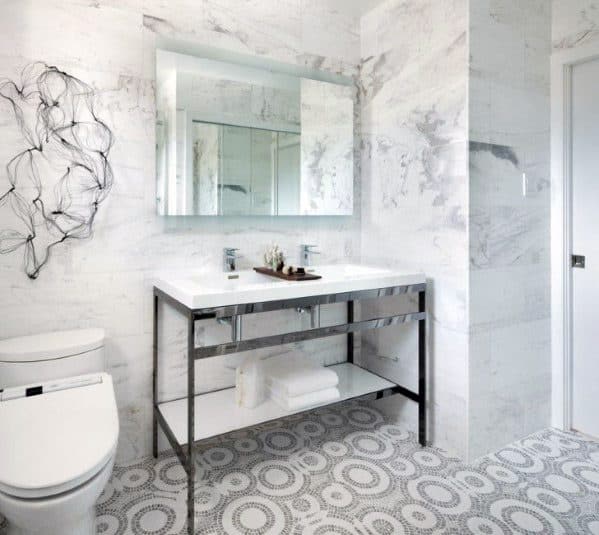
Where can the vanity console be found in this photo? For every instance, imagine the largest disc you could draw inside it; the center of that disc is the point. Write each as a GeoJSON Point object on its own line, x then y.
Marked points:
{"type": "Point", "coordinates": [232, 297]}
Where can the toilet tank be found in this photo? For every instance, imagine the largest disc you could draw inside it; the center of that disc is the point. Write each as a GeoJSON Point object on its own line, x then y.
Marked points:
{"type": "Point", "coordinates": [48, 356]}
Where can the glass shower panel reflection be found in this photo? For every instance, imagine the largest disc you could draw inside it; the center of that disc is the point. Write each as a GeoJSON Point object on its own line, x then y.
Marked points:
{"type": "Point", "coordinates": [262, 184]}
{"type": "Point", "coordinates": [239, 170]}
{"type": "Point", "coordinates": [206, 168]}
{"type": "Point", "coordinates": [288, 173]}
{"type": "Point", "coordinates": [235, 183]}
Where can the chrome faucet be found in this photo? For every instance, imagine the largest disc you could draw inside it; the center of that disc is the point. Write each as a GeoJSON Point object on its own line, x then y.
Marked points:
{"type": "Point", "coordinates": [306, 253]}
{"type": "Point", "coordinates": [230, 257]}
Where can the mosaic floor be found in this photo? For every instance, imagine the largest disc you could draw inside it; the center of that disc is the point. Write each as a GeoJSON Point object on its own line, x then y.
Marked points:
{"type": "Point", "coordinates": [347, 471]}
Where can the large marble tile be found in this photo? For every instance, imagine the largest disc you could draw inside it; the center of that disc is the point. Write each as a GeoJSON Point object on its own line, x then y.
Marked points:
{"type": "Point", "coordinates": [575, 23]}
{"type": "Point", "coordinates": [106, 281]}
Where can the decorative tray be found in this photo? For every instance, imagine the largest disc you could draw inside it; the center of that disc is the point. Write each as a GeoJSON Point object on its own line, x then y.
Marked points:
{"type": "Point", "coordinates": [292, 277]}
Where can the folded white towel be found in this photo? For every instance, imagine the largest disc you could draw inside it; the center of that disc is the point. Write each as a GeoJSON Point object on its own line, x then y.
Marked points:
{"type": "Point", "coordinates": [304, 401]}
{"type": "Point", "coordinates": [295, 377]}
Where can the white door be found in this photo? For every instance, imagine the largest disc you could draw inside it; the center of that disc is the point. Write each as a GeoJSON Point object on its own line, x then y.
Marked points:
{"type": "Point", "coordinates": [585, 241]}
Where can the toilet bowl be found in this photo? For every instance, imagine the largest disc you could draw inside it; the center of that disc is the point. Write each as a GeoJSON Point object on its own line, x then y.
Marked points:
{"type": "Point", "coordinates": [58, 437]}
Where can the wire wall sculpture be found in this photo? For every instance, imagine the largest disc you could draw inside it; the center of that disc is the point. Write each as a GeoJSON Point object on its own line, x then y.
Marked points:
{"type": "Point", "coordinates": [58, 180]}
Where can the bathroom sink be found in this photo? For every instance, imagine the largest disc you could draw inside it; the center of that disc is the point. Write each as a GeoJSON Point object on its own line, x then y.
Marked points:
{"type": "Point", "coordinates": [342, 271]}
{"type": "Point", "coordinates": [236, 280]}
{"type": "Point", "coordinates": [196, 290]}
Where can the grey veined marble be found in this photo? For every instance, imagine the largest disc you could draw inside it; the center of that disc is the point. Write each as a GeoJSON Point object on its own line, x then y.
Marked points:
{"type": "Point", "coordinates": [327, 148]}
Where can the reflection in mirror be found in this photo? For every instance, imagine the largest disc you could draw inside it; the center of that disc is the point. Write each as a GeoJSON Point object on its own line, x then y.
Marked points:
{"type": "Point", "coordinates": [236, 140]}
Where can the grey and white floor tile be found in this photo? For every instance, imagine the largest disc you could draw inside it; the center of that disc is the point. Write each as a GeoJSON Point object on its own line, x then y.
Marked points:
{"type": "Point", "coordinates": [347, 471]}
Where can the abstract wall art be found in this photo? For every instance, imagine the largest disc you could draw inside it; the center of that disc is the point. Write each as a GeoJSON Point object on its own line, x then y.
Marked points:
{"type": "Point", "coordinates": [56, 182]}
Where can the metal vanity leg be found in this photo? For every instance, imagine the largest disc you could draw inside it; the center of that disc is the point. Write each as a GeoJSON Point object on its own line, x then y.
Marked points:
{"type": "Point", "coordinates": [422, 370]}
{"type": "Point", "coordinates": [155, 381]}
{"type": "Point", "coordinates": [190, 424]}
{"type": "Point", "coordinates": [350, 336]}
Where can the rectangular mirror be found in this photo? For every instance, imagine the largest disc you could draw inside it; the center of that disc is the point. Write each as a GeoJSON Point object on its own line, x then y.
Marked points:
{"type": "Point", "coordinates": [239, 140]}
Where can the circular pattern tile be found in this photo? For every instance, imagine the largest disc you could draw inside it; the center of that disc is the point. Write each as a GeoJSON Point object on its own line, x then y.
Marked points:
{"type": "Point", "coordinates": [585, 473]}
{"type": "Point", "coordinates": [236, 481]}
{"type": "Point", "coordinates": [331, 419]}
{"type": "Point", "coordinates": [369, 445]}
{"type": "Point", "coordinates": [335, 449]}
{"type": "Point", "coordinates": [109, 523]}
{"type": "Point", "coordinates": [522, 517]}
{"type": "Point", "coordinates": [382, 523]}
{"type": "Point", "coordinates": [330, 526]}
{"type": "Point", "coordinates": [137, 478]}
{"type": "Point", "coordinates": [311, 461]}
{"type": "Point", "coordinates": [277, 478]}
{"type": "Point", "coordinates": [363, 417]}
{"type": "Point", "coordinates": [220, 457]}
{"type": "Point", "coordinates": [150, 516]}
{"type": "Point", "coordinates": [475, 481]}
{"type": "Point", "coordinates": [253, 514]}
{"type": "Point", "coordinates": [364, 477]}
{"type": "Point", "coordinates": [420, 517]}
{"type": "Point", "coordinates": [502, 474]}
{"type": "Point", "coordinates": [562, 483]}
{"type": "Point", "coordinates": [246, 445]}
{"type": "Point", "coordinates": [304, 506]}
{"type": "Point", "coordinates": [549, 499]}
{"type": "Point", "coordinates": [439, 493]}
{"type": "Point", "coordinates": [479, 525]}
{"type": "Point", "coordinates": [394, 432]}
{"type": "Point", "coordinates": [171, 475]}
{"type": "Point", "coordinates": [521, 460]}
{"type": "Point", "coordinates": [280, 442]}
{"type": "Point", "coordinates": [310, 429]}
{"type": "Point", "coordinates": [337, 495]}
{"type": "Point", "coordinates": [428, 459]}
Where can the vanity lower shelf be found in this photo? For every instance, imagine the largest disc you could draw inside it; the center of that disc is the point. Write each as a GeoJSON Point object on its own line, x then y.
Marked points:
{"type": "Point", "coordinates": [217, 412]}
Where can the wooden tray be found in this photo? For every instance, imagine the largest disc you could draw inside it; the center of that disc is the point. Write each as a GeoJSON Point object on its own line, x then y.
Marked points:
{"type": "Point", "coordinates": [281, 275]}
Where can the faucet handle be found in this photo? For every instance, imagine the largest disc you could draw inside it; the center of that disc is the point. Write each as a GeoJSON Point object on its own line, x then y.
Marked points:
{"type": "Point", "coordinates": [231, 251]}
{"type": "Point", "coordinates": [307, 247]}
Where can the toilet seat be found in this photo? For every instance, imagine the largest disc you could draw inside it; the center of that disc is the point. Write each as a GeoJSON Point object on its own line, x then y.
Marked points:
{"type": "Point", "coordinates": [58, 440]}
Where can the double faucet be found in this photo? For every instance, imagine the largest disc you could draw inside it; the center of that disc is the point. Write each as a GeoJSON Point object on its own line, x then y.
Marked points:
{"type": "Point", "coordinates": [230, 256]}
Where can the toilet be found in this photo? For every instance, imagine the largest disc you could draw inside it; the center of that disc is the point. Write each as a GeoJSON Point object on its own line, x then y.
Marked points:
{"type": "Point", "coordinates": [59, 429]}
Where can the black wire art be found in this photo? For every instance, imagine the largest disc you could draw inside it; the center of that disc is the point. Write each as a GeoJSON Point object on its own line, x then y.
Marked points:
{"type": "Point", "coordinates": [61, 176]}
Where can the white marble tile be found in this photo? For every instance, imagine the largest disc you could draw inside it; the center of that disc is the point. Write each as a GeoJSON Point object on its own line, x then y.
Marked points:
{"type": "Point", "coordinates": [575, 22]}
{"type": "Point", "coordinates": [509, 298]}
{"type": "Point", "coordinates": [327, 148]}
{"type": "Point", "coordinates": [413, 83]}
{"type": "Point", "coordinates": [105, 281]}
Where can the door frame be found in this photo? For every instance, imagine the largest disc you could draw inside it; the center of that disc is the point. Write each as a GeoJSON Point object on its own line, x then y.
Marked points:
{"type": "Point", "coordinates": [562, 63]}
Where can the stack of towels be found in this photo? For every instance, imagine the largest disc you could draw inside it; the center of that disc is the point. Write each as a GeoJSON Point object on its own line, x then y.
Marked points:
{"type": "Point", "coordinates": [295, 383]}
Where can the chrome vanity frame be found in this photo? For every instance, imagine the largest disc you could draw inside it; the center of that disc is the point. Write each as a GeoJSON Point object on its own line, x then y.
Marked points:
{"type": "Point", "coordinates": [185, 452]}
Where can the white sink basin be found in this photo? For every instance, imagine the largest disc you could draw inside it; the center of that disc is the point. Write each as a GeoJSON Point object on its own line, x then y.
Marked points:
{"type": "Point", "coordinates": [343, 271]}
{"type": "Point", "coordinates": [210, 290]}
{"type": "Point", "coordinates": [238, 280]}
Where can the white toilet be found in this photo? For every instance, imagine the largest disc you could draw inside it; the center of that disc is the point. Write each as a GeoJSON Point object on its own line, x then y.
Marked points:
{"type": "Point", "coordinates": [58, 431]}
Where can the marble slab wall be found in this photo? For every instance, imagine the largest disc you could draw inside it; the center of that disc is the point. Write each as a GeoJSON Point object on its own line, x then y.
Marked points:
{"type": "Point", "coordinates": [414, 121]}
{"type": "Point", "coordinates": [327, 148]}
{"type": "Point", "coordinates": [106, 281]}
{"type": "Point", "coordinates": [509, 343]}
{"type": "Point", "coordinates": [574, 23]}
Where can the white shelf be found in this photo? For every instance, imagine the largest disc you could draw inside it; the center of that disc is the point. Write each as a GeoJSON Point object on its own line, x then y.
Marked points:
{"type": "Point", "coordinates": [217, 412]}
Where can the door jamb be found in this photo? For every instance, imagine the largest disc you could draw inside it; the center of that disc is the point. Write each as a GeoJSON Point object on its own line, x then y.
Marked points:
{"type": "Point", "coordinates": [562, 63]}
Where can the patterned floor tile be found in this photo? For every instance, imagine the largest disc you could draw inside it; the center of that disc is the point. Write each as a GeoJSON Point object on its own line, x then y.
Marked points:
{"type": "Point", "coordinates": [347, 471]}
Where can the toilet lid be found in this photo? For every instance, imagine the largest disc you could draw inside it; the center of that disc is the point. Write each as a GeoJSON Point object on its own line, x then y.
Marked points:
{"type": "Point", "coordinates": [54, 441]}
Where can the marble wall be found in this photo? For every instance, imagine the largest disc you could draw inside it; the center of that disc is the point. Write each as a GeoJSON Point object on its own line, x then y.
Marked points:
{"type": "Point", "coordinates": [455, 122]}
{"type": "Point", "coordinates": [510, 334]}
{"type": "Point", "coordinates": [414, 115]}
{"type": "Point", "coordinates": [327, 148]}
{"type": "Point", "coordinates": [574, 23]}
{"type": "Point", "coordinates": [106, 281]}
